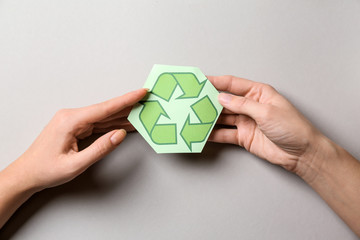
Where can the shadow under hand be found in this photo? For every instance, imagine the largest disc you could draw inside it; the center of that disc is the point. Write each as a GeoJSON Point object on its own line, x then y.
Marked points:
{"type": "Point", "coordinates": [87, 183]}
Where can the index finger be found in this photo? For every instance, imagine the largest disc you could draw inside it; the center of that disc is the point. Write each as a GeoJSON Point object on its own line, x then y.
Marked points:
{"type": "Point", "coordinates": [100, 111]}
{"type": "Point", "coordinates": [231, 84]}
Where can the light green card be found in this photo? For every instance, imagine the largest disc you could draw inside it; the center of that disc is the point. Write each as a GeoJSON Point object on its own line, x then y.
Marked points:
{"type": "Point", "coordinates": [179, 112]}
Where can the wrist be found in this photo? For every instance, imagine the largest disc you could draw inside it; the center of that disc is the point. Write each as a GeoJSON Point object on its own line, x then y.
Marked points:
{"type": "Point", "coordinates": [334, 174]}
{"type": "Point", "coordinates": [321, 153]}
{"type": "Point", "coordinates": [14, 191]}
{"type": "Point", "coordinates": [18, 179]}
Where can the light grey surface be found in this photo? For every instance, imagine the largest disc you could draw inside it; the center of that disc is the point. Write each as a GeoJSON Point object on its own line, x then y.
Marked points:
{"type": "Point", "coordinates": [57, 54]}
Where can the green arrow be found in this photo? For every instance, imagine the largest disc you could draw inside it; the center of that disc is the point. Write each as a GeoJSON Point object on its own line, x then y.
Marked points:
{"type": "Point", "coordinates": [164, 134]}
{"type": "Point", "coordinates": [165, 86]}
{"type": "Point", "coordinates": [195, 132]}
{"type": "Point", "coordinates": [166, 83]}
{"type": "Point", "coordinates": [150, 114]}
{"type": "Point", "coordinates": [205, 110]}
{"type": "Point", "coordinates": [189, 84]}
{"type": "Point", "coordinates": [159, 133]}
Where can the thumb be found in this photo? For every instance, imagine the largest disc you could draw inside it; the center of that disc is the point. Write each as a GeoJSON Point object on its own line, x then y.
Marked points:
{"type": "Point", "coordinates": [242, 105]}
{"type": "Point", "coordinates": [101, 147]}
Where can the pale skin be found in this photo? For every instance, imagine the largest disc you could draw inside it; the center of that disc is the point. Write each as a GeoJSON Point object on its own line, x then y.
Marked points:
{"type": "Point", "coordinates": [54, 157]}
{"type": "Point", "coordinates": [266, 124]}
{"type": "Point", "coordinates": [270, 127]}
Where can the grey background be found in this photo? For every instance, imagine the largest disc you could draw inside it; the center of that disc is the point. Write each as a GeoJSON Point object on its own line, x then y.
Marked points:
{"type": "Point", "coordinates": [61, 54]}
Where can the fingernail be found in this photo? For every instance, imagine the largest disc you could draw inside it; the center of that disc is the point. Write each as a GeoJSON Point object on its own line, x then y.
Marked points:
{"type": "Point", "coordinates": [225, 98]}
{"type": "Point", "coordinates": [147, 89]}
{"type": "Point", "coordinates": [118, 136]}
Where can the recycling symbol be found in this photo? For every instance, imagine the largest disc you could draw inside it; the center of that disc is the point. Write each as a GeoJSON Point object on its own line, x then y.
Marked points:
{"type": "Point", "coordinates": [179, 112]}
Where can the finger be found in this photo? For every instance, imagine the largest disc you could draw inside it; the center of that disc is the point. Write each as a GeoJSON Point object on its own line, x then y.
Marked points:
{"type": "Point", "coordinates": [243, 136]}
{"type": "Point", "coordinates": [226, 111]}
{"type": "Point", "coordinates": [243, 105]}
{"type": "Point", "coordinates": [127, 127]}
{"type": "Point", "coordinates": [100, 111]}
{"type": "Point", "coordinates": [100, 148]}
{"type": "Point", "coordinates": [235, 85]}
{"type": "Point", "coordinates": [123, 113]}
{"type": "Point", "coordinates": [110, 123]}
{"type": "Point", "coordinates": [224, 135]}
{"type": "Point", "coordinates": [85, 134]}
{"type": "Point", "coordinates": [227, 119]}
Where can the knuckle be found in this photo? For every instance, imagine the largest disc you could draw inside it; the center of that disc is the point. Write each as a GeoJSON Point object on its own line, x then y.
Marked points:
{"type": "Point", "coordinates": [268, 87]}
{"type": "Point", "coordinates": [231, 81]}
{"type": "Point", "coordinates": [62, 111]}
{"type": "Point", "coordinates": [62, 114]}
{"type": "Point", "coordinates": [64, 117]}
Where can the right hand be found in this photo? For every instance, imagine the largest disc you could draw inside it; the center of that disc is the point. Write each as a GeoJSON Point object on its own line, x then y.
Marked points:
{"type": "Point", "coordinates": [267, 124]}
{"type": "Point", "coordinates": [55, 158]}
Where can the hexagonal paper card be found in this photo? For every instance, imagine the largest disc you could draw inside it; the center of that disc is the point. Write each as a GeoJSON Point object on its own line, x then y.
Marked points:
{"type": "Point", "coordinates": [179, 112]}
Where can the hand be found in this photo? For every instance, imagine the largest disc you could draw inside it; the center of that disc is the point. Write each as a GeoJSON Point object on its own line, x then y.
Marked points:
{"type": "Point", "coordinates": [267, 124]}
{"type": "Point", "coordinates": [270, 127]}
{"type": "Point", "coordinates": [54, 157]}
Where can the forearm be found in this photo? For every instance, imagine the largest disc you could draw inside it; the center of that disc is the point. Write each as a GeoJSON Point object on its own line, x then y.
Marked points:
{"type": "Point", "coordinates": [335, 175]}
{"type": "Point", "coordinates": [14, 191]}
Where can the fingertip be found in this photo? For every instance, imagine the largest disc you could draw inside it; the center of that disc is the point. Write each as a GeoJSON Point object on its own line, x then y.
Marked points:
{"type": "Point", "coordinates": [211, 79]}
{"type": "Point", "coordinates": [117, 137]}
{"type": "Point", "coordinates": [139, 94]}
{"type": "Point", "coordinates": [142, 91]}
{"type": "Point", "coordinates": [224, 98]}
